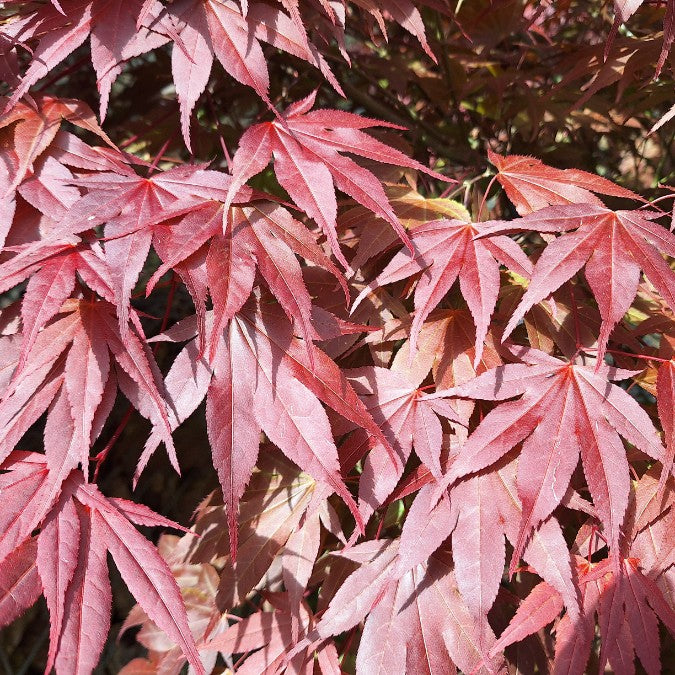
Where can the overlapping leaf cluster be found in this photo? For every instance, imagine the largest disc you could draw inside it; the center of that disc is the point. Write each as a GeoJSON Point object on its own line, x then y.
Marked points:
{"type": "Point", "coordinates": [345, 311]}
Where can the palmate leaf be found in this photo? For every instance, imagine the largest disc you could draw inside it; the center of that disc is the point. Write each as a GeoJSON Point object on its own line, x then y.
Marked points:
{"type": "Point", "coordinates": [115, 38]}
{"type": "Point", "coordinates": [410, 595]}
{"type": "Point", "coordinates": [89, 331]}
{"type": "Point", "coordinates": [628, 605]}
{"type": "Point", "coordinates": [78, 529]}
{"type": "Point", "coordinates": [35, 155]}
{"type": "Point", "coordinates": [613, 245]}
{"type": "Point", "coordinates": [51, 282]}
{"type": "Point", "coordinates": [446, 250]}
{"type": "Point", "coordinates": [306, 147]}
{"type": "Point", "coordinates": [35, 127]}
{"type": "Point", "coordinates": [180, 212]}
{"type": "Point", "coordinates": [532, 185]}
{"type": "Point", "coordinates": [417, 620]}
{"type": "Point", "coordinates": [264, 378]}
{"type": "Point", "coordinates": [406, 418]}
{"type": "Point", "coordinates": [445, 351]}
{"type": "Point", "coordinates": [134, 209]}
{"type": "Point", "coordinates": [478, 514]}
{"type": "Point", "coordinates": [259, 235]}
{"type": "Point", "coordinates": [590, 413]}
{"type": "Point", "coordinates": [208, 29]}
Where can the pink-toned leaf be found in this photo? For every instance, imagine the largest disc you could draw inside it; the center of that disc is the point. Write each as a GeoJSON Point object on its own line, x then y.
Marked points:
{"type": "Point", "coordinates": [539, 608]}
{"type": "Point", "coordinates": [57, 560]}
{"type": "Point", "coordinates": [234, 434]}
{"type": "Point", "coordinates": [19, 582]}
{"type": "Point", "coordinates": [357, 595]}
{"type": "Point", "coordinates": [665, 388]}
{"type": "Point", "coordinates": [146, 574]}
{"type": "Point", "coordinates": [88, 601]}
{"type": "Point", "coordinates": [531, 185]}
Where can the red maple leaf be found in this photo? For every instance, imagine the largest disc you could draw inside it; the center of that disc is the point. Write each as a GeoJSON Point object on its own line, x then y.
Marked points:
{"type": "Point", "coordinates": [77, 531]}
{"type": "Point", "coordinates": [34, 152]}
{"type": "Point", "coordinates": [259, 235]}
{"type": "Point", "coordinates": [62, 28]}
{"type": "Point", "coordinates": [564, 410]}
{"type": "Point", "coordinates": [447, 250]}
{"type": "Point", "coordinates": [406, 418]}
{"type": "Point", "coordinates": [613, 246]}
{"type": "Point", "coordinates": [89, 332]}
{"type": "Point", "coordinates": [205, 29]}
{"type": "Point", "coordinates": [306, 147]}
{"type": "Point", "coordinates": [630, 598]}
{"type": "Point", "coordinates": [265, 378]}
{"type": "Point", "coordinates": [532, 185]}
{"type": "Point", "coordinates": [482, 511]}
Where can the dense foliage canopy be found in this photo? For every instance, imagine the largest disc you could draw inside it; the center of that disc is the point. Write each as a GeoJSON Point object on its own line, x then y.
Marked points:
{"type": "Point", "coordinates": [346, 327]}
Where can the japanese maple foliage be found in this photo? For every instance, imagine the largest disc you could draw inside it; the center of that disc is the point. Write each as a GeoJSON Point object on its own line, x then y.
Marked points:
{"type": "Point", "coordinates": [347, 329]}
